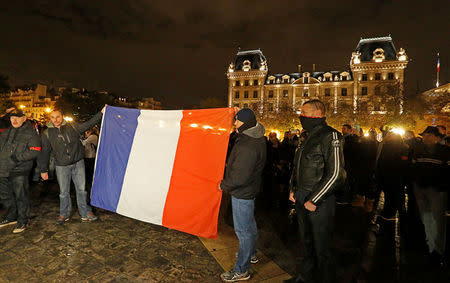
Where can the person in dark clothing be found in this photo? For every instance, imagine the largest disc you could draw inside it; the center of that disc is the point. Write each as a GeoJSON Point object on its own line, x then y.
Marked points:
{"type": "Point", "coordinates": [5, 121]}
{"type": "Point", "coordinates": [391, 165]}
{"type": "Point", "coordinates": [19, 146]}
{"type": "Point", "coordinates": [350, 151]}
{"type": "Point", "coordinates": [364, 170]}
{"type": "Point", "coordinates": [63, 139]}
{"type": "Point", "coordinates": [243, 181]}
{"type": "Point", "coordinates": [272, 171]}
{"type": "Point", "coordinates": [318, 171]}
{"type": "Point", "coordinates": [430, 170]}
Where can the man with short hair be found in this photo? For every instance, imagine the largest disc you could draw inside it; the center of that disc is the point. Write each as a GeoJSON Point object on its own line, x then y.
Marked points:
{"type": "Point", "coordinates": [318, 171]}
{"type": "Point", "coordinates": [19, 145]}
{"type": "Point", "coordinates": [64, 140]}
{"type": "Point", "coordinates": [430, 170]}
{"type": "Point", "coordinates": [243, 181]}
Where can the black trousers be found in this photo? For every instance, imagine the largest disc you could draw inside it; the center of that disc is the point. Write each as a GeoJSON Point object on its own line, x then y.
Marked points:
{"type": "Point", "coordinates": [316, 233]}
{"type": "Point", "coordinates": [14, 196]}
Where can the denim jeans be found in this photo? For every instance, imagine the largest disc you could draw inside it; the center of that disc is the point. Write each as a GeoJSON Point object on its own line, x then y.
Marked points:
{"type": "Point", "coordinates": [432, 205]}
{"type": "Point", "coordinates": [76, 173]}
{"type": "Point", "coordinates": [14, 196]}
{"type": "Point", "coordinates": [246, 231]}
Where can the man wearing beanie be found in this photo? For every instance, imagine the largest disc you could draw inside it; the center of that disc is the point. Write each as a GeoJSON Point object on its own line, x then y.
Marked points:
{"type": "Point", "coordinates": [318, 171]}
{"type": "Point", "coordinates": [243, 181]}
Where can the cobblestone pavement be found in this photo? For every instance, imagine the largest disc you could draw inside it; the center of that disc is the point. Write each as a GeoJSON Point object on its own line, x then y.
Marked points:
{"type": "Point", "coordinates": [113, 249]}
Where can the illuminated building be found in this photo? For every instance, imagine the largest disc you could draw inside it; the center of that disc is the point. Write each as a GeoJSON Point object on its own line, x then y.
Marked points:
{"type": "Point", "coordinates": [375, 77]}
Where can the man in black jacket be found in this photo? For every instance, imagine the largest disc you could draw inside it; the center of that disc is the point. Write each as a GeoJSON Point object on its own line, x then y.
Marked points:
{"type": "Point", "coordinates": [243, 181]}
{"type": "Point", "coordinates": [19, 145]}
{"type": "Point", "coordinates": [64, 140]}
{"type": "Point", "coordinates": [318, 171]}
{"type": "Point", "coordinates": [430, 170]}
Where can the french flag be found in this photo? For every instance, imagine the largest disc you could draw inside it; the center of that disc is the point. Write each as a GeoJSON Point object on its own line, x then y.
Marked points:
{"type": "Point", "coordinates": [163, 167]}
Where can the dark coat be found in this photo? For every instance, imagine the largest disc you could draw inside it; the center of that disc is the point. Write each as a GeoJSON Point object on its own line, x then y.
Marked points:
{"type": "Point", "coordinates": [18, 148]}
{"type": "Point", "coordinates": [245, 164]}
{"type": "Point", "coordinates": [431, 166]}
{"type": "Point", "coordinates": [318, 164]}
{"type": "Point", "coordinates": [64, 142]}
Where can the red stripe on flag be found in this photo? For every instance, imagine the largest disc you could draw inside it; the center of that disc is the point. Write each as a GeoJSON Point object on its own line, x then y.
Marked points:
{"type": "Point", "coordinates": [193, 201]}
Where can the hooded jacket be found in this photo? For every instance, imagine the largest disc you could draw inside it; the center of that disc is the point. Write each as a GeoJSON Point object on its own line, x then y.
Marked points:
{"type": "Point", "coordinates": [318, 165]}
{"type": "Point", "coordinates": [246, 163]}
{"type": "Point", "coordinates": [18, 148]}
{"type": "Point", "coordinates": [64, 142]}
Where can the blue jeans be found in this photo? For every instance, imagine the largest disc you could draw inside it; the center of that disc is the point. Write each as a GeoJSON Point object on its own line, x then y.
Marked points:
{"type": "Point", "coordinates": [14, 195]}
{"type": "Point", "coordinates": [76, 173]}
{"type": "Point", "coordinates": [246, 231]}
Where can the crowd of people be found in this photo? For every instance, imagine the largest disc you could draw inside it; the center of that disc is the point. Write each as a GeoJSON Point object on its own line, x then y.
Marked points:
{"type": "Point", "coordinates": [309, 172]}
{"type": "Point", "coordinates": [312, 170]}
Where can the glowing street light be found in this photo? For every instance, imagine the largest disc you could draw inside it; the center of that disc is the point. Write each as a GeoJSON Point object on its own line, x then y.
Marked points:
{"type": "Point", "coordinates": [398, 131]}
{"type": "Point", "coordinates": [21, 106]}
{"type": "Point", "coordinates": [68, 119]}
{"type": "Point", "coordinates": [48, 110]}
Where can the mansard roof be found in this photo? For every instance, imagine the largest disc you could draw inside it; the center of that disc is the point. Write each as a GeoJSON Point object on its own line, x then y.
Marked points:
{"type": "Point", "coordinates": [367, 46]}
{"type": "Point", "coordinates": [294, 76]}
{"type": "Point", "coordinates": [255, 57]}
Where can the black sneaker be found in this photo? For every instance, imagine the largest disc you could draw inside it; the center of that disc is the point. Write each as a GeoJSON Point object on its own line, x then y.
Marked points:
{"type": "Point", "coordinates": [6, 222]}
{"type": "Point", "coordinates": [61, 220]}
{"type": "Point", "coordinates": [254, 259]}
{"type": "Point", "coordinates": [19, 228]}
{"type": "Point", "coordinates": [233, 276]}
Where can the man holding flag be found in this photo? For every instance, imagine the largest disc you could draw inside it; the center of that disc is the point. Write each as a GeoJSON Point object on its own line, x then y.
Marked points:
{"type": "Point", "coordinates": [243, 181]}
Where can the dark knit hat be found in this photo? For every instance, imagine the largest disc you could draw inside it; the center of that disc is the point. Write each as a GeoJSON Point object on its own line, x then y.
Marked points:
{"type": "Point", "coordinates": [431, 130]}
{"type": "Point", "coordinates": [245, 115]}
{"type": "Point", "coordinates": [16, 112]}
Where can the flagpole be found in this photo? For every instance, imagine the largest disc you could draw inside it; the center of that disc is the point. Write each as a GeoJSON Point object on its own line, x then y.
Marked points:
{"type": "Point", "coordinates": [437, 70]}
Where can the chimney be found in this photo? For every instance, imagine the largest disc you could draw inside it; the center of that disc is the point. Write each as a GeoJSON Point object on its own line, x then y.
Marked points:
{"type": "Point", "coordinates": [299, 68]}
{"type": "Point", "coordinates": [314, 68]}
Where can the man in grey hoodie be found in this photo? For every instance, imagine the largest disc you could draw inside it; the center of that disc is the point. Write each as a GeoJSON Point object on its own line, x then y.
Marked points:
{"type": "Point", "coordinates": [243, 181]}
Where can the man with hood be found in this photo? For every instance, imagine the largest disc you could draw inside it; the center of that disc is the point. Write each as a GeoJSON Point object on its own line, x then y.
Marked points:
{"type": "Point", "coordinates": [318, 171]}
{"type": "Point", "coordinates": [64, 140]}
{"type": "Point", "coordinates": [19, 145]}
{"type": "Point", "coordinates": [243, 181]}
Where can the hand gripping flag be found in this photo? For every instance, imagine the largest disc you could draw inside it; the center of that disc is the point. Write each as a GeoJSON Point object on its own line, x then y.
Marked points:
{"type": "Point", "coordinates": [163, 167]}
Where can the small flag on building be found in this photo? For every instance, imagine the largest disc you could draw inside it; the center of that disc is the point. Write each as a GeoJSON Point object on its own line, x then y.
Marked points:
{"type": "Point", "coordinates": [163, 167]}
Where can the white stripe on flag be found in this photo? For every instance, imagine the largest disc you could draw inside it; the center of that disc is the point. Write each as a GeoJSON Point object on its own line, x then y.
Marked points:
{"type": "Point", "coordinates": [149, 169]}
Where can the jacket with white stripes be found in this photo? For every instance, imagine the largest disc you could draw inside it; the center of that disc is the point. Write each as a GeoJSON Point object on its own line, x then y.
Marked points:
{"type": "Point", "coordinates": [319, 164]}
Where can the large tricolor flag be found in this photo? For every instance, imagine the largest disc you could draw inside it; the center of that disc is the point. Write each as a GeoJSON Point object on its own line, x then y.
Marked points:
{"type": "Point", "coordinates": [163, 167]}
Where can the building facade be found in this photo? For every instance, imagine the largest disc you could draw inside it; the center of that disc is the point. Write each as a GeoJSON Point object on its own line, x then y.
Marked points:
{"type": "Point", "coordinates": [35, 102]}
{"type": "Point", "coordinates": [374, 80]}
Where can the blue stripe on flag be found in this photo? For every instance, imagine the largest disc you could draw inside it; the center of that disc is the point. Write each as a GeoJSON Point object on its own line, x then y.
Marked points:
{"type": "Point", "coordinates": [117, 134]}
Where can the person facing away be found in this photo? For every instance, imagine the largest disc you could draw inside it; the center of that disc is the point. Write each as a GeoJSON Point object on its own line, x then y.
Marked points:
{"type": "Point", "coordinates": [63, 139]}
{"type": "Point", "coordinates": [243, 181]}
{"type": "Point", "coordinates": [318, 171]}
{"type": "Point", "coordinates": [430, 170]}
{"type": "Point", "coordinates": [19, 146]}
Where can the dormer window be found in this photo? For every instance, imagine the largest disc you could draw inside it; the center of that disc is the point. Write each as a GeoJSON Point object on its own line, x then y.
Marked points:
{"type": "Point", "coordinates": [378, 55]}
{"type": "Point", "coordinates": [246, 66]}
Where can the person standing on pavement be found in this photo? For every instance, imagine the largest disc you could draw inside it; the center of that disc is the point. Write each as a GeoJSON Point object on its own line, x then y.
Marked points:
{"type": "Point", "coordinates": [318, 171]}
{"type": "Point", "coordinates": [63, 139]}
{"type": "Point", "coordinates": [19, 146]}
{"type": "Point", "coordinates": [430, 170]}
{"type": "Point", "coordinates": [243, 181]}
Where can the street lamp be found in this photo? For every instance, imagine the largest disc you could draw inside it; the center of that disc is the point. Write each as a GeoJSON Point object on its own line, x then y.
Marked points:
{"type": "Point", "coordinates": [22, 106]}
{"type": "Point", "coordinates": [48, 110]}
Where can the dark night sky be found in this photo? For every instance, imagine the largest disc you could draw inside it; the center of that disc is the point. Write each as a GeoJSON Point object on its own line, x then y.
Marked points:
{"type": "Point", "coordinates": [178, 51]}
